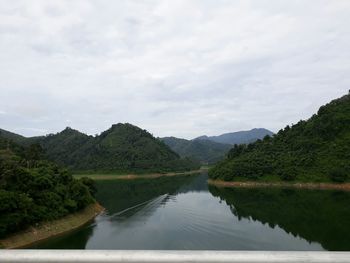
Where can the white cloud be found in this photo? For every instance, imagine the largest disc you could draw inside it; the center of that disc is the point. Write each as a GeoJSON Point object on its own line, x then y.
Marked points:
{"type": "Point", "coordinates": [181, 68]}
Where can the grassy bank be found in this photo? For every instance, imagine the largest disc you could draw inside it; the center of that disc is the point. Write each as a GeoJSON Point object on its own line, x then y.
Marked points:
{"type": "Point", "coordinates": [50, 229]}
{"type": "Point", "coordinates": [301, 185]}
{"type": "Point", "coordinates": [134, 176]}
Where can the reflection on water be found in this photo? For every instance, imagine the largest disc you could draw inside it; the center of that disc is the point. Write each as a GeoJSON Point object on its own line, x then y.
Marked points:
{"type": "Point", "coordinates": [117, 195]}
{"type": "Point", "coordinates": [316, 216]}
{"type": "Point", "coordinates": [74, 240]}
{"type": "Point", "coordinates": [182, 213]}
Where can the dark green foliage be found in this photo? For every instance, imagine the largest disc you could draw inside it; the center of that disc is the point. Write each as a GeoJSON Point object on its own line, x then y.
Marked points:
{"type": "Point", "coordinates": [205, 151]}
{"type": "Point", "coordinates": [235, 151]}
{"type": "Point", "coordinates": [34, 152]}
{"type": "Point", "coordinates": [34, 190]}
{"type": "Point", "coordinates": [62, 147]}
{"type": "Point", "coordinates": [13, 137]}
{"type": "Point", "coordinates": [314, 150]}
{"type": "Point", "coordinates": [90, 183]}
{"type": "Point", "coordinates": [339, 174]}
{"type": "Point", "coordinates": [122, 148]}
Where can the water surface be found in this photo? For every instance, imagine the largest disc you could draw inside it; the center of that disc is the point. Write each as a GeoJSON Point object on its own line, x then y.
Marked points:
{"type": "Point", "coordinates": [184, 213]}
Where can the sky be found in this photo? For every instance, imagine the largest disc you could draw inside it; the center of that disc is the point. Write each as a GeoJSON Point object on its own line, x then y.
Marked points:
{"type": "Point", "coordinates": [180, 68]}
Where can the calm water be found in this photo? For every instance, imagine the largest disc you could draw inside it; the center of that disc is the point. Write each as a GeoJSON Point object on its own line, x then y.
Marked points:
{"type": "Point", "coordinates": [183, 213]}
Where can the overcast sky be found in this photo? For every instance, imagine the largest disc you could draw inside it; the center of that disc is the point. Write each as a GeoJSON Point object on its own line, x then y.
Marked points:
{"type": "Point", "coordinates": [174, 67]}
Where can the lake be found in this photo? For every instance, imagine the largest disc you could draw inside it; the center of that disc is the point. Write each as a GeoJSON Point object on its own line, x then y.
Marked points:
{"type": "Point", "coordinates": [183, 212]}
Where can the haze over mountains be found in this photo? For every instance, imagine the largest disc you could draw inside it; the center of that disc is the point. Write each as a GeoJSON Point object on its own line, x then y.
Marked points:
{"type": "Point", "coordinates": [205, 151]}
{"type": "Point", "coordinates": [240, 137]}
{"type": "Point", "coordinates": [209, 150]}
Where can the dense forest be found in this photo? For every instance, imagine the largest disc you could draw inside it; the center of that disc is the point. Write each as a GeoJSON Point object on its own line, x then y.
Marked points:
{"type": "Point", "coordinates": [314, 150]}
{"type": "Point", "coordinates": [205, 151]}
{"type": "Point", "coordinates": [122, 148]}
{"type": "Point", "coordinates": [33, 189]}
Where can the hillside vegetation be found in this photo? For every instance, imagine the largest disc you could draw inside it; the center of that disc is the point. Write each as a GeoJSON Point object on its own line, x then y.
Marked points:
{"type": "Point", "coordinates": [205, 151]}
{"type": "Point", "coordinates": [12, 136]}
{"type": "Point", "coordinates": [314, 150]}
{"type": "Point", "coordinates": [122, 148]}
{"type": "Point", "coordinates": [34, 190]}
{"type": "Point", "coordinates": [211, 149]}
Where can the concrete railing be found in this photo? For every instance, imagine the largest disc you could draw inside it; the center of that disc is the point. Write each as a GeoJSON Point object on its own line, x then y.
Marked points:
{"type": "Point", "coordinates": [148, 256]}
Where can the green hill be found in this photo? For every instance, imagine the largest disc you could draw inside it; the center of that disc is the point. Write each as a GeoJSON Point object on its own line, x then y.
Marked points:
{"type": "Point", "coordinates": [62, 147]}
{"type": "Point", "coordinates": [314, 150]}
{"type": "Point", "coordinates": [34, 190]}
{"type": "Point", "coordinates": [12, 136]}
{"type": "Point", "coordinates": [122, 148]}
{"type": "Point", "coordinates": [205, 151]}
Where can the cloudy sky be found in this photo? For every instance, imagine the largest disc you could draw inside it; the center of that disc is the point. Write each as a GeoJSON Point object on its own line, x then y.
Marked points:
{"type": "Point", "coordinates": [174, 67]}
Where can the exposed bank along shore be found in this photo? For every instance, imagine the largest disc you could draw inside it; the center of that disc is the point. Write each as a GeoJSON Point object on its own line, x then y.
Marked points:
{"type": "Point", "coordinates": [53, 228]}
{"type": "Point", "coordinates": [319, 186]}
{"type": "Point", "coordinates": [137, 176]}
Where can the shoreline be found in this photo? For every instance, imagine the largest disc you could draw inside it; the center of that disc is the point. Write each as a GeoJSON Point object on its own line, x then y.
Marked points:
{"type": "Point", "coordinates": [135, 176]}
{"type": "Point", "coordinates": [47, 230]}
{"type": "Point", "coordinates": [315, 186]}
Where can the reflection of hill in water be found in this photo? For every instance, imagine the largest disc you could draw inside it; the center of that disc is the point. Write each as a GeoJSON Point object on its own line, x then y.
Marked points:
{"type": "Point", "coordinates": [321, 216]}
{"type": "Point", "coordinates": [198, 184]}
{"type": "Point", "coordinates": [118, 195]}
{"type": "Point", "coordinates": [73, 240]}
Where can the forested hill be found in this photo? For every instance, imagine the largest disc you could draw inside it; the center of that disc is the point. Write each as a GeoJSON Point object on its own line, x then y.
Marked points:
{"type": "Point", "coordinates": [240, 137]}
{"type": "Point", "coordinates": [314, 150]}
{"type": "Point", "coordinates": [211, 149]}
{"type": "Point", "coordinates": [12, 136]}
{"type": "Point", "coordinates": [34, 190]}
{"type": "Point", "coordinates": [122, 148]}
{"type": "Point", "coordinates": [205, 151]}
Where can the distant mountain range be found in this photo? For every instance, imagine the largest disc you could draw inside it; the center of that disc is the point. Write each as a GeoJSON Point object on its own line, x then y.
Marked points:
{"type": "Point", "coordinates": [240, 137]}
{"type": "Point", "coordinates": [209, 150]}
{"type": "Point", "coordinates": [205, 151]}
{"type": "Point", "coordinates": [122, 148]}
{"type": "Point", "coordinates": [125, 147]}
{"type": "Point", "coordinates": [314, 150]}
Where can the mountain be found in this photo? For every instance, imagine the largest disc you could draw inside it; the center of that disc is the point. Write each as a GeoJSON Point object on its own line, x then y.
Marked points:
{"type": "Point", "coordinates": [63, 146]}
{"type": "Point", "coordinates": [12, 136]}
{"type": "Point", "coordinates": [209, 150]}
{"type": "Point", "coordinates": [240, 137]}
{"type": "Point", "coordinates": [205, 151]}
{"type": "Point", "coordinates": [314, 150]}
{"type": "Point", "coordinates": [122, 148]}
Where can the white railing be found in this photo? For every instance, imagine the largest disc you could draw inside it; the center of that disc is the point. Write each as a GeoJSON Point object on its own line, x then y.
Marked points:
{"type": "Point", "coordinates": [148, 256]}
